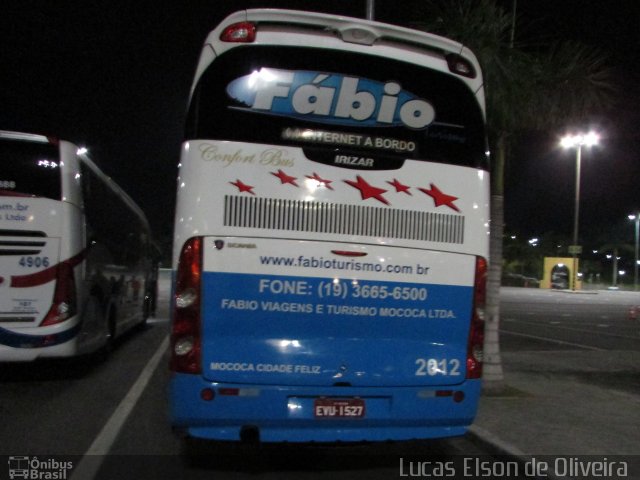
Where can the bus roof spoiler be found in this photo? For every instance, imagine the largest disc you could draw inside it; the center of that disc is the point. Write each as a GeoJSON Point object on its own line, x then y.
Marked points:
{"type": "Point", "coordinates": [350, 30]}
{"type": "Point", "coordinates": [375, 30]}
{"type": "Point", "coordinates": [30, 137]}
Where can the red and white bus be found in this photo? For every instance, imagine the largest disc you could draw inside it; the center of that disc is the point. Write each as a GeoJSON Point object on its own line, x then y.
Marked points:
{"type": "Point", "coordinates": [75, 252]}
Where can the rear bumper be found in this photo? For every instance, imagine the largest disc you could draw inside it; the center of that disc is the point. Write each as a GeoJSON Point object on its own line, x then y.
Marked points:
{"type": "Point", "coordinates": [12, 354]}
{"type": "Point", "coordinates": [28, 344]}
{"type": "Point", "coordinates": [280, 414]}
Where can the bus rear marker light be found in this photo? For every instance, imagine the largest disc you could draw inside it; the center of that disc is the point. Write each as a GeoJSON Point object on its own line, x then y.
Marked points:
{"type": "Point", "coordinates": [242, 32]}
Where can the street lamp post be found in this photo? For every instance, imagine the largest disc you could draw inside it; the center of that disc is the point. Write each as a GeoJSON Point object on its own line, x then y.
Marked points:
{"type": "Point", "coordinates": [577, 142]}
{"type": "Point", "coordinates": [636, 217]}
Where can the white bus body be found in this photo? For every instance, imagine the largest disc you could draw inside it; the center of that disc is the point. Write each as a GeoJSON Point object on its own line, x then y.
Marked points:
{"type": "Point", "coordinates": [331, 233]}
{"type": "Point", "coordinates": [74, 252]}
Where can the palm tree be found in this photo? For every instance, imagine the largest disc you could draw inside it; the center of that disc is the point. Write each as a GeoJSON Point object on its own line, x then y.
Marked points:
{"type": "Point", "coordinates": [614, 249]}
{"type": "Point", "coordinates": [534, 88]}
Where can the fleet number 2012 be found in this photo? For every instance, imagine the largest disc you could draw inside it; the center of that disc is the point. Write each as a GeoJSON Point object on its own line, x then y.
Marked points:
{"type": "Point", "coordinates": [433, 366]}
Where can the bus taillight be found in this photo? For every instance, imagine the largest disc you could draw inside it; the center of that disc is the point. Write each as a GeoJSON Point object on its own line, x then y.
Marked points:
{"type": "Point", "coordinates": [461, 66]}
{"type": "Point", "coordinates": [64, 305]}
{"type": "Point", "coordinates": [185, 333]}
{"type": "Point", "coordinates": [476, 331]}
{"type": "Point", "coordinates": [242, 32]}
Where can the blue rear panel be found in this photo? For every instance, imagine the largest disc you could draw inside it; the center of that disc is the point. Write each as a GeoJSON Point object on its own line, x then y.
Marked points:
{"type": "Point", "coordinates": [325, 331]}
{"type": "Point", "coordinates": [307, 346]}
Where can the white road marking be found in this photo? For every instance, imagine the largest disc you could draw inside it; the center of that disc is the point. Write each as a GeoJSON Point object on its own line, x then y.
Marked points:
{"type": "Point", "coordinates": [561, 326]}
{"type": "Point", "coordinates": [553, 340]}
{"type": "Point", "coordinates": [88, 466]}
{"type": "Point", "coordinates": [152, 321]}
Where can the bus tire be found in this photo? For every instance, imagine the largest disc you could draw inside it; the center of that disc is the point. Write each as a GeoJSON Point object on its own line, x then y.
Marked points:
{"type": "Point", "coordinates": [93, 311]}
{"type": "Point", "coordinates": [111, 329]}
{"type": "Point", "coordinates": [146, 310]}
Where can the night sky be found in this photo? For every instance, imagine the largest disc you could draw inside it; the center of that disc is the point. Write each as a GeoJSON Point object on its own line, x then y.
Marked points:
{"type": "Point", "coordinates": [114, 76]}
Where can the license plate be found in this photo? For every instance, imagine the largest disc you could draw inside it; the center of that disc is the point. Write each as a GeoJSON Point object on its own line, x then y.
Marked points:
{"type": "Point", "coordinates": [339, 408]}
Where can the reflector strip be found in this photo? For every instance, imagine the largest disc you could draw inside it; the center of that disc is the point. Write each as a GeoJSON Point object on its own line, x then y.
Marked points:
{"type": "Point", "coordinates": [340, 219]}
{"type": "Point", "coordinates": [346, 253]}
{"type": "Point", "coordinates": [444, 393]}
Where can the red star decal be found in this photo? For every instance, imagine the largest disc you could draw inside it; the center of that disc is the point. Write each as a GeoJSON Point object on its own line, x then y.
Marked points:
{"type": "Point", "coordinates": [284, 178]}
{"type": "Point", "coordinates": [399, 187]}
{"type": "Point", "coordinates": [242, 187]}
{"type": "Point", "coordinates": [321, 181]}
{"type": "Point", "coordinates": [440, 198]}
{"type": "Point", "coordinates": [368, 191]}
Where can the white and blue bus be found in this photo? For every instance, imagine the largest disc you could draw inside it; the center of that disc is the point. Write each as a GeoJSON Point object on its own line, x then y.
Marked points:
{"type": "Point", "coordinates": [75, 252]}
{"type": "Point", "coordinates": [331, 234]}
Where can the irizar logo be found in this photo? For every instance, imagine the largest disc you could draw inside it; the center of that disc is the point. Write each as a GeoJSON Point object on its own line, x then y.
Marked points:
{"type": "Point", "coordinates": [331, 98]}
{"type": "Point", "coordinates": [353, 161]}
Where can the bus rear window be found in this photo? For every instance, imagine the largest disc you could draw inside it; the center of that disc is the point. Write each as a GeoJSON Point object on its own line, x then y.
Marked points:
{"type": "Point", "coordinates": [29, 168]}
{"type": "Point", "coordinates": [328, 101]}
